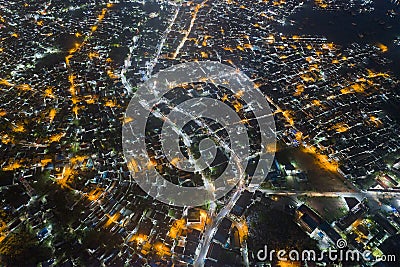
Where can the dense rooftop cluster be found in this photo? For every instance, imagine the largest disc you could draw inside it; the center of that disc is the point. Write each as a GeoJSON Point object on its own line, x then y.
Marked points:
{"type": "Point", "coordinates": [68, 71]}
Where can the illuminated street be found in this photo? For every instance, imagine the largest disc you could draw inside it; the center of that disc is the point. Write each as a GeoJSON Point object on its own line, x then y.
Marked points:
{"type": "Point", "coordinates": [311, 86]}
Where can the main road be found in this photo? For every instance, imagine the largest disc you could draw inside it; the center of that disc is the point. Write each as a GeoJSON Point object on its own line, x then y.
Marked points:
{"type": "Point", "coordinates": [212, 227]}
